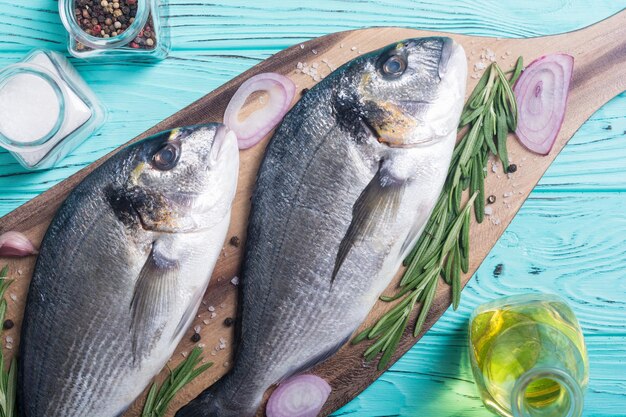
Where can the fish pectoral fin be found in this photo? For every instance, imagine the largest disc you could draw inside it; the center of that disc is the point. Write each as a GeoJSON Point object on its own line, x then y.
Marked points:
{"type": "Point", "coordinates": [377, 205]}
{"type": "Point", "coordinates": [153, 299]}
{"type": "Point", "coordinates": [188, 315]}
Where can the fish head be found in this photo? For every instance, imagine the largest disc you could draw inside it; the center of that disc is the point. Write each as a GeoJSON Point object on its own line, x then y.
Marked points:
{"type": "Point", "coordinates": [184, 180]}
{"type": "Point", "coordinates": [411, 92]}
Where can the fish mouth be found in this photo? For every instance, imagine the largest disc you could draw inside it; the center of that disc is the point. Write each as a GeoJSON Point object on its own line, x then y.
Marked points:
{"type": "Point", "coordinates": [448, 48]}
{"type": "Point", "coordinates": [221, 142]}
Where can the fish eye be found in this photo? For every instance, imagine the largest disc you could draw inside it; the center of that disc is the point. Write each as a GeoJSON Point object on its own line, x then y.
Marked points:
{"type": "Point", "coordinates": [167, 157]}
{"type": "Point", "coordinates": [394, 66]}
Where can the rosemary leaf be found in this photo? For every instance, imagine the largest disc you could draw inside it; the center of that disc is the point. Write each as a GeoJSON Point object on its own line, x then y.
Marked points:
{"type": "Point", "coordinates": [479, 202]}
{"type": "Point", "coordinates": [8, 378]}
{"type": "Point", "coordinates": [456, 277]}
{"type": "Point", "coordinates": [517, 71]}
{"type": "Point", "coordinates": [489, 126]}
{"type": "Point", "coordinates": [502, 131]}
{"type": "Point", "coordinates": [428, 302]}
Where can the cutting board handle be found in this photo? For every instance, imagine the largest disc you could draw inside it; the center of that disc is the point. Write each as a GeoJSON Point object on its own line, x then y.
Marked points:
{"type": "Point", "coordinates": [599, 61]}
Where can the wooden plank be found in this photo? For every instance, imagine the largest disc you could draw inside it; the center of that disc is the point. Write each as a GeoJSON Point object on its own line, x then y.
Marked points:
{"type": "Point", "coordinates": [580, 96]}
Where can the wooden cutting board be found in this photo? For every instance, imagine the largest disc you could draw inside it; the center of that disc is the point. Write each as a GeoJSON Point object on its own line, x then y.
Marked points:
{"type": "Point", "coordinates": [599, 75]}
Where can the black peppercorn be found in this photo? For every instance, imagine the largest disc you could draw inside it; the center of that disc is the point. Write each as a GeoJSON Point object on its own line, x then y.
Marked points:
{"type": "Point", "coordinates": [195, 338]}
{"type": "Point", "coordinates": [491, 199]}
{"type": "Point", "coordinates": [235, 241]}
{"type": "Point", "coordinates": [8, 324]}
{"type": "Point", "coordinates": [228, 322]}
{"type": "Point", "coordinates": [512, 168]}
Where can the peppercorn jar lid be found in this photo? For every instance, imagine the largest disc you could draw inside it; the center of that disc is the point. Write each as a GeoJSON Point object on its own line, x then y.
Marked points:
{"type": "Point", "coordinates": [32, 106]}
{"type": "Point", "coordinates": [104, 24]}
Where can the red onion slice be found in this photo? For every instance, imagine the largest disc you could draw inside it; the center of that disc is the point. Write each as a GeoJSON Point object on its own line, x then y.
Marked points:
{"type": "Point", "coordinates": [250, 131]}
{"type": "Point", "coordinates": [15, 244]}
{"type": "Point", "coordinates": [541, 93]}
{"type": "Point", "coordinates": [300, 396]}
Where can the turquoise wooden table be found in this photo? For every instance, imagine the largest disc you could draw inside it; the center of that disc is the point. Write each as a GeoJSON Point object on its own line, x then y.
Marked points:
{"type": "Point", "coordinates": [567, 239]}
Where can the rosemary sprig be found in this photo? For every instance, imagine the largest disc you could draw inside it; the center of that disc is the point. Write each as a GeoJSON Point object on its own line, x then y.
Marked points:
{"type": "Point", "coordinates": [159, 398]}
{"type": "Point", "coordinates": [443, 249]}
{"type": "Point", "coordinates": [8, 377]}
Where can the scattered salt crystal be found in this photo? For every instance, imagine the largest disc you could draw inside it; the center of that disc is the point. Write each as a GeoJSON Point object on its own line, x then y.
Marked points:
{"type": "Point", "coordinates": [261, 100]}
{"type": "Point", "coordinates": [488, 211]}
{"type": "Point", "coordinates": [507, 194]}
{"type": "Point", "coordinates": [19, 272]}
{"type": "Point", "coordinates": [211, 308]}
{"type": "Point", "coordinates": [213, 315]}
{"type": "Point", "coordinates": [226, 364]}
{"type": "Point", "coordinates": [201, 345]}
{"type": "Point", "coordinates": [301, 46]}
{"type": "Point", "coordinates": [479, 66]}
{"type": "Point", "coordinates": [300, 65]}
{"type": "Point", "coordinates": [197, 329]}
{"type": "Point", "coordinates": [314, 51]}
{"type": "Point", "coordinates": [494, 167]}
{"type": "Point", "coordinates": [203, 302]}
{"type": "Point", "coordinates": [235, 281]}
{"type": "Point", "coordinates": [9, 339]}
{"type": "Point", "coordinates": [495, 220]}
{"type": "Point", "coordinates": [489, 55]}
{"type": "Point", "coordinates": [205, 321]}
{"type": "Point", "coordinates": [353, 48]}
{"type": "Point", "coordinates": [222, 344]}
{"type": "Point", "coordinates": [183, 354]}
{"type": "Point", "coordinates": [222, 305]}
{"type": "Point", "coordinates": [213, 353]}
{"type": "Point", "coordinates": [341, 45]}
{"type": "Point", "coordinates": [13, 297]}
{"type": "Point", "coordinates": [315, 65]}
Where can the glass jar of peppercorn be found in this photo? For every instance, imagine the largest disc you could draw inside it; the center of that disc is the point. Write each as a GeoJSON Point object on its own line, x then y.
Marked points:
{"type": "Point", "coordinates": [119, 28]}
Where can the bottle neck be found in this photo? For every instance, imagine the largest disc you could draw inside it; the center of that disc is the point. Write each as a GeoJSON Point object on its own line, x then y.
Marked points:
{"type": "Point", "coordinates": [543, 392]}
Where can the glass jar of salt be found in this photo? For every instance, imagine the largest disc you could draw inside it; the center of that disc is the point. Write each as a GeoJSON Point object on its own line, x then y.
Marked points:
{"type": "Point", "coordinates": [116, 28]}
{"type": "Point", "coordinates": [46, 109]}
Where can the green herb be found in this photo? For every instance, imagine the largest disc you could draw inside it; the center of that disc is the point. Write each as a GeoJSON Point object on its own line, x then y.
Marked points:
{"type": "Point", "coordinates": [8, 378]}
{"type": "Point", "coordinates": [443, 249]}
{"type": "Point", "coordinates": [159, 398]}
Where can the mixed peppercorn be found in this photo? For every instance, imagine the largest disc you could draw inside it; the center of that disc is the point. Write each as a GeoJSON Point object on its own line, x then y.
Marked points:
{"type": "Point", "coordinates": [110, 18]}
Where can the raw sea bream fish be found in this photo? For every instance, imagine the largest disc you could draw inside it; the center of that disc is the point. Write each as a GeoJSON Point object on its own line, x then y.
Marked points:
{"type": "Point", "coordinates": [347, 184]}
{"type": "Point", "coordinates": [122, 270]}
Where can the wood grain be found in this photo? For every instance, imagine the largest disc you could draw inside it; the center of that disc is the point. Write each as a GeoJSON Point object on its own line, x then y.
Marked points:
{"type": "Point", "coordinates": [586, 45]}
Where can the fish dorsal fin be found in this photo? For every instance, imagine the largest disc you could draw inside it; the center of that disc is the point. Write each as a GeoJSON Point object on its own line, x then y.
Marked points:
{"type": "Point", "coordinates": [153, 299]}
{"type": "Point", "coordinates": [377, 205]}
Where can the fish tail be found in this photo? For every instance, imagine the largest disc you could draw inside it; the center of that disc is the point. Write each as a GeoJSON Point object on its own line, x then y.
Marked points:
{"type": "Point", "coordinates": [216, 401]}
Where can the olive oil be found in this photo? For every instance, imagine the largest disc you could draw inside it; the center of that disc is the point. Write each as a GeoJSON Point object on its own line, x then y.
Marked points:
{"type": "Point", "coordinates": [528, 357]}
